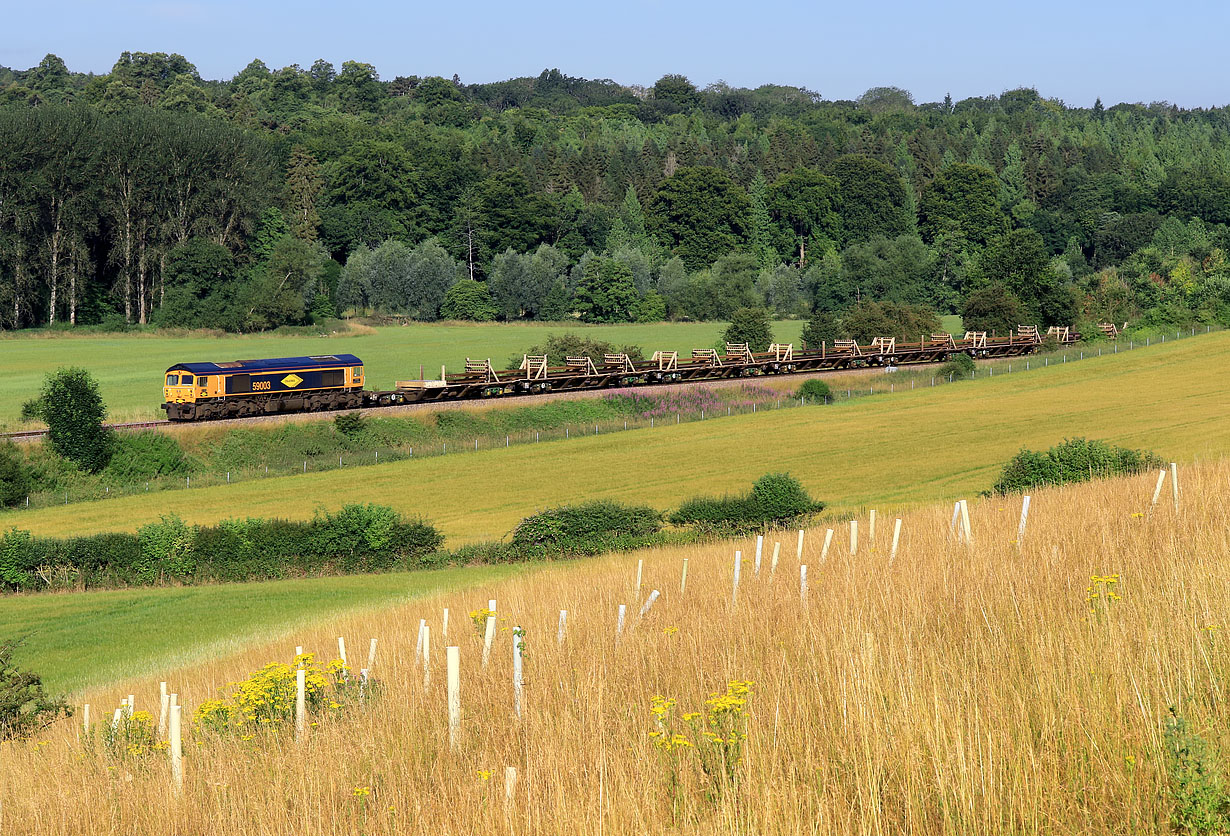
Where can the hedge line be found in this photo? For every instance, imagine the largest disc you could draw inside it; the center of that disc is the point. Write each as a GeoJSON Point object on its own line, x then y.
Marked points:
{"type": "Point", "coordinates": [358, 538]}
{"type": "Point", "coordinates": [1075, 460]}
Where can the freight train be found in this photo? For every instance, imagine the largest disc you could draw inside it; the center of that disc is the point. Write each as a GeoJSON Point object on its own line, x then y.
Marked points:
{"type": "Point", "coordinates": [246, 388]}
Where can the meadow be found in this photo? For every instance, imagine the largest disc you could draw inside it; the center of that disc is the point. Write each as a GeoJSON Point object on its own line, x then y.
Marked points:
{"type": "Point", "coordinates": [998, 685]}
{"type": "Point", "coordinates": [909, 447]}
{"type": "Point", "coordinates": [129, 367]}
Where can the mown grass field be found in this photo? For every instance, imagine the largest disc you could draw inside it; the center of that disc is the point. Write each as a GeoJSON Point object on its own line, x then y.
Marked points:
{"type": "Point", "coordinates": [82, 640]}
{"type": "Point", "coordinates": [905, 448]}
{"type": "Point", "coordinates": [129, 366]}
{"type": "Point", "coordinates": [999, 686]}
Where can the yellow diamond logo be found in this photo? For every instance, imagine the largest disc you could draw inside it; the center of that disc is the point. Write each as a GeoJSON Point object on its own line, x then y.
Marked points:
{"type": "Point", "coordinates": [291, 380]}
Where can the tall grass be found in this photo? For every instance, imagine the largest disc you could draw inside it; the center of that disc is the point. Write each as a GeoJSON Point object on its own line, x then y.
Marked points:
{"type": "Point", "coordinates": [992, 688]}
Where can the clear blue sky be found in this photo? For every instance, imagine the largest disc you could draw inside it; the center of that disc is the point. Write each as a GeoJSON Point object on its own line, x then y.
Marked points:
{"type": "Point", "coordinates": [1074, 50]}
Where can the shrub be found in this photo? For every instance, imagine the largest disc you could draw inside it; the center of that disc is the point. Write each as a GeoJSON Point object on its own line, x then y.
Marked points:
{"type": "Point", "coordinates": [587, 528]}
{"type": "Point", "coordinates": [350, 424]}
{"type": "Point", "coordinates": [25, 707]}
{"type": "Point", "coordinates": [15, 478]}
{"type": "Point", "coordinates": [558, 347]}
{"type": "Point", "coordinates": [168, 547]}
{"type": "Point", "coordinates": [751, 326]}
{"type": "Point", "coordinates": [813, 391]}
{"type": "Point", "coordinates": [1201, 805]}
{"type": "Point", "coordinates": [994, 309]}
{"type": "Point", "coordinates": [777, 500]}
{"type": "Point", "coordinates": [822, 328]}
{"type": "Point", "coordinates": [141, 456]}
{"type": "Point", "coordinates": [469, 299]}
{"type": "Point", "coordinates": [958, 367]}
{"type": "Point", "coordinates": [73, 410]}
{"type": "Point", "coordinates": [1075, 460]}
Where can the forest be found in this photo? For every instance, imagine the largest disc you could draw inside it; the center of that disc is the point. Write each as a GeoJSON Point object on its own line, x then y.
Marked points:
{"type": "Point", "coordinates": [150, 196]}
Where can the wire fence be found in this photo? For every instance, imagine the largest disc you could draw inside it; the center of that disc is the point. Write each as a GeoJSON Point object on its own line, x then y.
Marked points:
{"type": "Point", "coordinates": [894, 380]}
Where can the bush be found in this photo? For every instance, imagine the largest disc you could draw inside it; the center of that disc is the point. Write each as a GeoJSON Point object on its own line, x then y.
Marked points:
{"type": "Point", "coordinates": [350, 424]}
{"type": "Point", "coordinates": [777, 500]}
{"type": "Point", "coordinates": [751, 326]}
{"type": "Point", "coordinates": [141, 456]}
{"type": "Point", "coordinates": [25, 708]}
{"type": "Point", "coordinates": [1075, 460]}
{"type": "Point", "coordinates": [994, 309]}
{"type": "Point", "coordinates": [822, 328]}
{"type": "Point", "coordinates": [559, 347]}
{"type": "Point", "coordinates": [589, 528]}
{"type": "Point", "coordinates": [15, 477]}
{"type": "Point", "coordinates": [813, 391]}
{"type": "Point", "coordinates": [958, 367]}
{"type": "Point", "coordinates": [1201, 804]}
{"type": "Point", "coordinates": [73, 410]}
{"type": "Point", "coordinates": [469, 299]}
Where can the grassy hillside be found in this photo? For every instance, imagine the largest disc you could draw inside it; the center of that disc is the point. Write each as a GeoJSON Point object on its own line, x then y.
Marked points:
{"type": "Point", "coordinates": [910, 447]}
{"type": "Point", "coordinates": [982, 688]}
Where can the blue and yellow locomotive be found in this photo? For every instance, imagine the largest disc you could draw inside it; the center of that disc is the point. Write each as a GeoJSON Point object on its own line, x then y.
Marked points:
{"type": "Point", "coordinates": [243, 388]}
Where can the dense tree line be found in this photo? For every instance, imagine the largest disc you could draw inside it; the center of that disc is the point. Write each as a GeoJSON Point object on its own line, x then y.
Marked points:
{"type": "Point", "coordinates": [151, 195]}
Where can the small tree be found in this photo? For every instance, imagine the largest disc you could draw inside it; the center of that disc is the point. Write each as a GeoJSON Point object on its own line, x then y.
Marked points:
{"type": "Point", "coordinates": [993, 308]}
{"type": "Point", "coordinates": [469, 299]}
{"type": "Point", "coordinates": [751, 326]}
{"type": "Point", "coordinates": [74, 412]}
{"type": "Point", "coordinates": [822, 328]}
{"type": "Point", "coordinates": [25, 707]}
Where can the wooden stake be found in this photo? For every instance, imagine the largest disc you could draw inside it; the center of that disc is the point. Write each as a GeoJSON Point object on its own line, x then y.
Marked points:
{"type": "Point", "coordinates": [563, 627]}
{"type": "Point", "coordinates": [1161, 479]}
{"type": "Point", "coordinates": [683, 581]}
{"type": "Point", "coordinates": [828, 539]}
{"type": "Point", "coordinates": [426, 657]}
{"type": "Point", "coordinates": [803, 582]}
{"type": "Point", "coordinates": [853, 536]}
{"type": "Point", "coordinates": [300, 703]}
{"type": "Point", "coordinates": [453, 656]}
{"type": "Point", "coordinates": [759, 549]}
{"type": "Point", "coordinates": [777, 550]}
{"type": "Point", "coordinates": [488, 638]}
{"type": "Point", "coordinates": [177, 752]}
{"type": "Point", "coordinates": [1020, 529]}
{"type": "Point", "coordinates": [516, 636]}
{"type": "Point", "coordinates": [799, 550]}
{"type": "Point", "coordinates": [892, 555]}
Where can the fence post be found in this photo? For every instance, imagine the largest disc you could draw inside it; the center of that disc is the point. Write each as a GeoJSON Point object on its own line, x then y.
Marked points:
{"type": "Point", "coordinates": [1020, 529]}
{"type": "Point", "coordinates": [640, 564]}
{"type": "Point", "coordinates": [1174, 483]}
{"type": "Point", "coordinates": [853, 537]}
{"type": "Point", "coordinates": [1157, 491]}
{"type": "Point", "coordinates": [683, 581]}
{"type": "Point", "coordinates": [969, 540]}
{"type": "Point", "coordinates": [371, 655]}
{"type": "Point", "coordinates": [799, 549]}
{"type": "Point", "coordinates": [164, 709]}
{"type": "Point", "coordinates": [777, 550]}
{"type": "Point", "coordinates": [828, 539]}
{"type": "Point", "coordinates": [759, 549]}
{"type": "Point", "coordinates": [892, 555]}
{"type": "Point", "coordinates": [488, 637]}
{"type": "Point", "coordinates": [871, 530]}
{"type": "Point", "coordinates": [653, 596]}
{"type": "Point", "coordinates": [734, 592]}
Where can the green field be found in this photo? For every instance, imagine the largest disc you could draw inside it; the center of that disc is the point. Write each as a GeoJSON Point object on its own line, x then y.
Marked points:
{"type": "Point", "coordinates": [129, 367]}
{"type": "Point", "coordinates": [76, 641]}
{"type": "Point", "coordinates": [880, 452]}
{"type": "Point", "coordinates": [905, 448]}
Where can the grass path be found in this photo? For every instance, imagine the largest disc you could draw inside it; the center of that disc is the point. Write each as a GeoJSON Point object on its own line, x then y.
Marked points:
{"type": "Point", "coordinates": [81, 640]}
{"type": "Point", "coordinates": [900, 449]}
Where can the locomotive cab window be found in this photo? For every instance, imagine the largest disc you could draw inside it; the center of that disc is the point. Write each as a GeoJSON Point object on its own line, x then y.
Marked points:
{"type": "Point", "coordinates": [200, 381]}
{"type": "Point", "coordinates": [172, 380]}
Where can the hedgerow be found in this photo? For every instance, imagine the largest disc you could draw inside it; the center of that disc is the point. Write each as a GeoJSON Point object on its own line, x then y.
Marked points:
{"type": "Point", "coordinates": [777, 500]}
{"type": "Point", "coordinates": [1075, 460]}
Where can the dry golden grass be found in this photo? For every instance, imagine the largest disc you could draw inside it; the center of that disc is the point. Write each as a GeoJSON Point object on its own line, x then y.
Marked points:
{"type": "Point", "coordinates": [956, 690]}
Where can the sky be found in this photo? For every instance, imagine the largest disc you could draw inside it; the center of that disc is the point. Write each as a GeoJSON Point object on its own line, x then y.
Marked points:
{"type": "Point", "coordinates": [1078, 50]}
